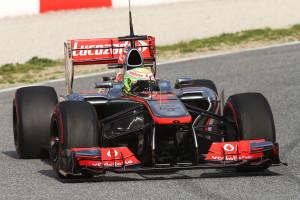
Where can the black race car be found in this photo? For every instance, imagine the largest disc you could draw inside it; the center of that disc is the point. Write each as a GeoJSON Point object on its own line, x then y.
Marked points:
{"type": "Point", "coordinates": [150, 126]}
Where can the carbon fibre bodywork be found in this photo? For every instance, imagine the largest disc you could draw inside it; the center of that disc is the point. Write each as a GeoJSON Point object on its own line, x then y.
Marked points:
{"type": "Point", "coordinates": [154, 126]}
{"type": "Point", "coordinates": [174, 129]}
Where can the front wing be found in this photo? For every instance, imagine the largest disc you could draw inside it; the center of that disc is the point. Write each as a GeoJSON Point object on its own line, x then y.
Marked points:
{"type": "Point", "coordinates": [98, 160]}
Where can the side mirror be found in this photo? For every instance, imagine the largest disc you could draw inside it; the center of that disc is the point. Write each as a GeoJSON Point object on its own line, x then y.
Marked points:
{"type": "Point", "coordinates": [182, 81]}
{"type": "Point", "coordinates": [109, 78]}
{"type": "Point", "coordinates": [105, 84]}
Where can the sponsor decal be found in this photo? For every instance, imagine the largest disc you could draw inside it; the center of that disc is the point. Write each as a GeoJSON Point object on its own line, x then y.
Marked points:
{"type": "Point", "coordinates": [232, 157]}
{"type": "Point", "coordinates": [141, 74]}
{"type": "Point", "coordinates": [233, 151]}
{"type": "Point", "coordinates": [137, 74]}
{"type": "Point", "coordinates": [228, 147]}
{"type": "Point", "coordinates": [110, 157]}
{"type": "Point", "coordinates": [114, 151]}
{"type": "Point", "coordinates": [118, 163]}
{"type": "Point", "coordinates": [104, 49]}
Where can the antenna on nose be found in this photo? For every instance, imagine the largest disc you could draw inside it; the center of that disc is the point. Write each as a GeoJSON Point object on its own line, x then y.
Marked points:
{"type": "Point", "coordinates": [132, 37]}
{"type": "Point", "coordinates": [131, 25]}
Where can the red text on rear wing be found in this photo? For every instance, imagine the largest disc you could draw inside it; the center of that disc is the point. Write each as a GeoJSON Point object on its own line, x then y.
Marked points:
{"type": "Point", "coordinates": [106, 50]}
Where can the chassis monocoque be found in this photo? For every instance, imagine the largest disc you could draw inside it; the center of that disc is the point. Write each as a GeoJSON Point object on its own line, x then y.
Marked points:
{"type": "Point", "coordinates": [155, 127]}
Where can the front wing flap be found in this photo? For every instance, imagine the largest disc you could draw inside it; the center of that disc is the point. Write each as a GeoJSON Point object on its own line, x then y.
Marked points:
{"type": "Point", "coordinates": [104, 157]}
{"type": "Point", "coordinates": [220, 155]}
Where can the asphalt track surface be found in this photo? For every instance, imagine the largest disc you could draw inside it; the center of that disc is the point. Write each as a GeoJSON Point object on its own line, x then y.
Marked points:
{"type": "Point", "coordinates": [275, 72]}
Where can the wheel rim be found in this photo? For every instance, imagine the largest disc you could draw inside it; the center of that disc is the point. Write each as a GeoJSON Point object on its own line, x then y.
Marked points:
{"type": "Point", "coordinates": [54, 145]}
{"type": "Point", "coordinates": [54, 149]}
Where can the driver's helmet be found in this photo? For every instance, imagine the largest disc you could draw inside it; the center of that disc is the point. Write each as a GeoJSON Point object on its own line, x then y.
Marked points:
{"type": "Point", "coordinates": [133, 75]}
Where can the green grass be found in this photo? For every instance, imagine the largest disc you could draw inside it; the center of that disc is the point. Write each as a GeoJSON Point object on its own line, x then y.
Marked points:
{"type": "Point", "coordinates": [34, 64]}
{"type": "Point", "coordinates": [22, 73]}
{"type": "Point", "coordinates": [230, 39]}
{"type": "Point", "coordinates": [9, 72]}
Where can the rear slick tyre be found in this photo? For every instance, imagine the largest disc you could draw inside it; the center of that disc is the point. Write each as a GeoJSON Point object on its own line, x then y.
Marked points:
{"type": "Point", "coordinates": [32, 110]}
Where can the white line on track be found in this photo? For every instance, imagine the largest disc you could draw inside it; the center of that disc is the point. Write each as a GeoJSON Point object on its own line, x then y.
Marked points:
{"type": "Point", "coordinates": [162, 63]}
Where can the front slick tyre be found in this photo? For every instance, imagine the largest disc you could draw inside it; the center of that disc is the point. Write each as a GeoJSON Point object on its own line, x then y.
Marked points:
{"type": "Point", "coordinates": [253, 119]}
{"type": "Point", "coordinates": [74, 125]}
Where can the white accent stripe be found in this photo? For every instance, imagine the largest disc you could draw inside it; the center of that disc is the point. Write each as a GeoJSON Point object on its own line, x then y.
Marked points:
{"type": "Point", "coordinates": [19, 7]}
{"type": "Point", "coordinates": [163, 63]}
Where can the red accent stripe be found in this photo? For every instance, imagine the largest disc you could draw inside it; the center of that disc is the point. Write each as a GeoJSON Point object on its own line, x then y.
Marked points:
{"type": "Point", "coordinates": [234, 114]}
{"type": "Point", "coordinates": [179, 120]}
{"type": "Point", "coordinates": [61, 127]}
{"type": "Point", "coordinates": [160, 120]}
{"type": "Point", "coordinates": [207, 124]}
{"type": "Point", "coordinates": [54, 5]}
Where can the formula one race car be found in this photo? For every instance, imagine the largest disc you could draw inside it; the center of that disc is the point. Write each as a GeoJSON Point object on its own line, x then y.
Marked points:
{"type": "Point", "coordinates": [135, 122]}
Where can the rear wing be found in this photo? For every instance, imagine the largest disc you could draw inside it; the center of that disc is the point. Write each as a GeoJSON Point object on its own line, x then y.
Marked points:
{"type": "Point", "coordinates": [104, 51]}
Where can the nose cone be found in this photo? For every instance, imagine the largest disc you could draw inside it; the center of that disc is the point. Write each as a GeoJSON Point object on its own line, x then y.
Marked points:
{"type": "Point", "coordinates": [134, 58]}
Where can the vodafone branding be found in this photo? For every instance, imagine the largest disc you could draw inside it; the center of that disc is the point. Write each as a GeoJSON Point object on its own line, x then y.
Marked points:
{"type": "Point", "coordinates": [228, 147]}
{"type": "Point", "coordinates": [117, 163]}
{"type": "Point", "coordinates": [110, 157]}
{"type": "Point", "coordinates": [115, 153]}
{"type": "Point", "coordinates": [232, 157]}
{"type": "Point", "coordinates": [232, 151]}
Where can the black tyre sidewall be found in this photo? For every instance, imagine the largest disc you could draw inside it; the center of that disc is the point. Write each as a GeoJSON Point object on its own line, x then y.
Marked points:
{"type": "Point", "coordinates": [79, 123]}
{"type": "Point", "coordinates": [75, 124]}
{"type": "Point", "coordinates": [32, 110]}
{"type": "Point", "coordinates": [252, 115]}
